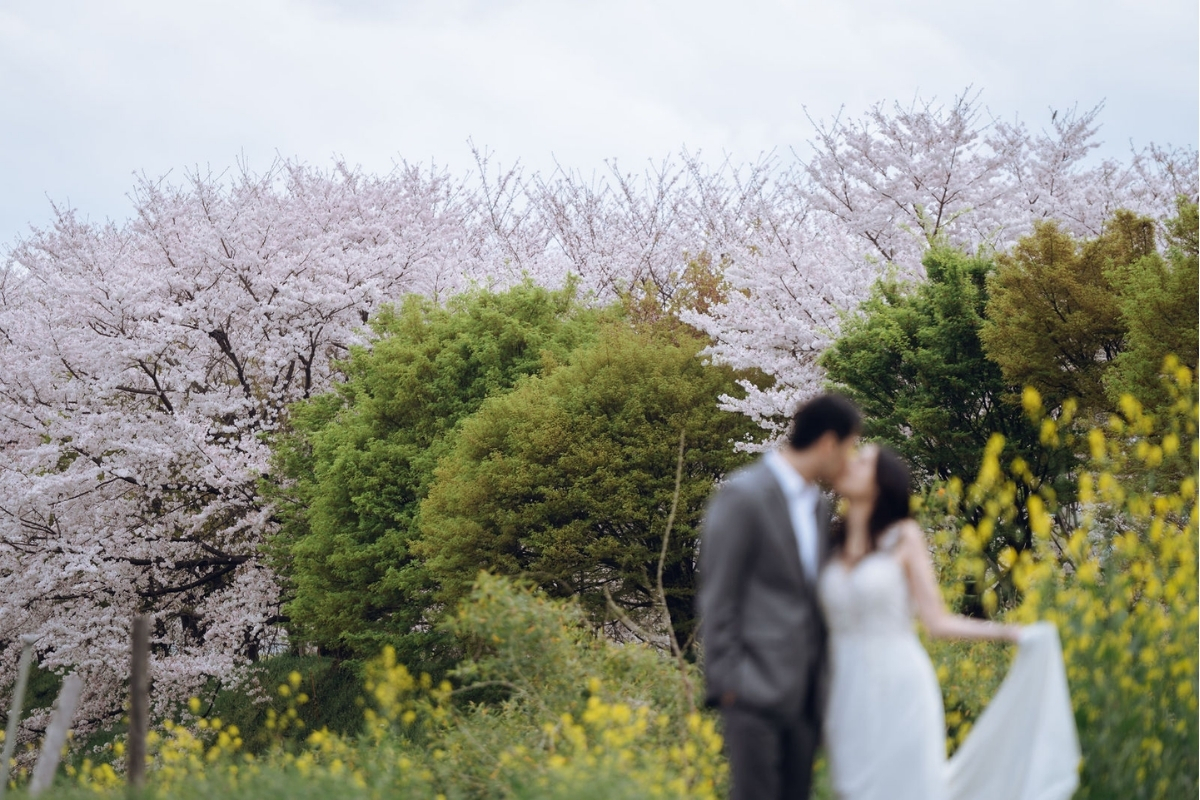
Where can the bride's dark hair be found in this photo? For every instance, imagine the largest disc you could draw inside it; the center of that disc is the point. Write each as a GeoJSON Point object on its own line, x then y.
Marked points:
{"type": "Point", "coordinates": [895, 488]}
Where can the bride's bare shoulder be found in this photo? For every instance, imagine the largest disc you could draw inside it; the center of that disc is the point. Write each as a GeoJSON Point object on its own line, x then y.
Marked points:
{"type": "Point", "coordinates": [909, 534]}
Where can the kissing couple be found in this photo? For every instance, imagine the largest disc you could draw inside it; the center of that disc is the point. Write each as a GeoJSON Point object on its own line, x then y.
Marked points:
{"type": "Point", "coordinates": [811, 641]}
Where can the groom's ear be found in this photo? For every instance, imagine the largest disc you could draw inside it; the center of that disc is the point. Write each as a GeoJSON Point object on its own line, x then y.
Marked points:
{"type": "Point", "coordinates": [826, 448]}
{"type": "Point", "coordinates": [839, 454]}
{"type": "Point", "coordinates": [830, 444]}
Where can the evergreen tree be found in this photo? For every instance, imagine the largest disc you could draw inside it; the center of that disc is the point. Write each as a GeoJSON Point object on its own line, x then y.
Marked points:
{"type": "Point", "coordinates": [912, 358]}
{"type": "Point", "coordinates": [569, 479]}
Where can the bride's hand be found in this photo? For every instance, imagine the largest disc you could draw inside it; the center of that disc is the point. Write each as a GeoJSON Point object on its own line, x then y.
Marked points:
{"type": "Point", "coordinates": [1014, 633]}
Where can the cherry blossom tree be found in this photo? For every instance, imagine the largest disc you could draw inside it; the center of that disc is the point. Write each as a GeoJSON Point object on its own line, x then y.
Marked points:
{"type": "Point", "coordinates": [146, 364]}
{"type": "Point", "coordinates": [619, 231]}
{"type": "Point", "coordinates": [877, 193]}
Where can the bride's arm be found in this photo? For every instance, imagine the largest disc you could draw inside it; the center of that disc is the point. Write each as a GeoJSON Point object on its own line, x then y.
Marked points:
{"type": "Point", "coordinates": [931, 609]}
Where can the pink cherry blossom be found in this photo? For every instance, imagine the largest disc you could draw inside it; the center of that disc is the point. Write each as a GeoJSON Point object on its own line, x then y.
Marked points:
{"type": "Point", "coordinates": [147, 363]}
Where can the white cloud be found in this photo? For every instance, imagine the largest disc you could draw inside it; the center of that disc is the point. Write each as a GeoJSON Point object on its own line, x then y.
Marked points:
{"type": "Point", "coordinates": [92, 92]}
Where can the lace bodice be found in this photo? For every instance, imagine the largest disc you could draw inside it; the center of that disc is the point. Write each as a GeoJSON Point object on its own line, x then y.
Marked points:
{"type": "Point", "coordinates": [869, 598]}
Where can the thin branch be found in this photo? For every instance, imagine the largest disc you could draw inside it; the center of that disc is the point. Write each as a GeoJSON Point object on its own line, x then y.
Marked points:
{"type": "Point", "coordinates": [512, 687]}
{"type": "Point", "coordinates": [662, 595]}
{"type": "Point", "coordinates": [212, 576]}
{"type": "Point", "coordinates": [624, 619]}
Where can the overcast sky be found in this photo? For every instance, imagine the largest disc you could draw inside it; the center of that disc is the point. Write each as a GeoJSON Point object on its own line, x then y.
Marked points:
{"type": "Point", "coordinates": [92, 92]}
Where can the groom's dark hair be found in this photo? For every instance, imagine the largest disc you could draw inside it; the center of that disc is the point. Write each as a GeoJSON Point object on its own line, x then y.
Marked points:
{"type": "Point", "coordinates": [824, 414]}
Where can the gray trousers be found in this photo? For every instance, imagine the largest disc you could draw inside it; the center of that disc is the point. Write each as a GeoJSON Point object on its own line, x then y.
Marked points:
{"type": "Point", "coordinates": [769, 758]}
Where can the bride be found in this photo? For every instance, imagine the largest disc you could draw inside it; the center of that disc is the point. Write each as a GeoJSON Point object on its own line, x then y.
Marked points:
{"type": "Point", "coordinates": [884, 726]}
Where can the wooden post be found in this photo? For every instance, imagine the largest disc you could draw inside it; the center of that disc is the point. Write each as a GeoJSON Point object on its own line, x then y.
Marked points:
{"type": "Point", "coordinates": [14, 715]}
{"type": "Point", "coordinates": [56, 734]}
{"type": "Point", "coordinates": [139, 702]}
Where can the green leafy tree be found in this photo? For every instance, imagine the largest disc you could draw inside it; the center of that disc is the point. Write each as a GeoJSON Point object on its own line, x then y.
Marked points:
{"type": "Point", "coordinates": [1054, 317]}
{"type": "Point", "coordinates": [349, 478]}
{"type": "Point", "coordinates": [912, 359]}
{"type": "Point", "coordinates": [569, 479]}
{"type": "Point", "coordinates": [1158, 298]}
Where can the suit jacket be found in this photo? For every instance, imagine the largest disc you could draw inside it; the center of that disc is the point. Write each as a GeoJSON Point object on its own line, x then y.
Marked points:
{"type": "Point", "coordinates": [760, 619]}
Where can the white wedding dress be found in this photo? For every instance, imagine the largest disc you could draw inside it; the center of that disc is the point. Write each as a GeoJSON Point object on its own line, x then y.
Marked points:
{"type": "Point", "coordinates": [885, 733]}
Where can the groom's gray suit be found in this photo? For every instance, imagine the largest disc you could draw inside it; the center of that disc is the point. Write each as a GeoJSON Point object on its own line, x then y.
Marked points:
{"type": "Point", "coordinates": [763, 634]}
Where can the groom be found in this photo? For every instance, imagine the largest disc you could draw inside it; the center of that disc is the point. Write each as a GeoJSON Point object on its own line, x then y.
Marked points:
{"type": "Point", "coordinates": [765, 537]}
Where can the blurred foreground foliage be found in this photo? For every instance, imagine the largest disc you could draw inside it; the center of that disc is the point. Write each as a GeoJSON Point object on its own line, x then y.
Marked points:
{"type": "Point", "coordinates": [1115, 570]}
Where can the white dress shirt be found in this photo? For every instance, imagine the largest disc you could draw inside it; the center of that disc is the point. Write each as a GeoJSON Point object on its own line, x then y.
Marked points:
{"type": "Point", "coordinates": [802, 498]}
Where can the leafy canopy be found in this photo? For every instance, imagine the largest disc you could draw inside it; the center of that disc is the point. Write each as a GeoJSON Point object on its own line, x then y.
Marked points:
{"type": "Point", "coordinates": [359, 460]}
{"type": "Point", "coordinates": [569, 479]}
{"type": "Point", "coordinates": [1158, 298]}
{"type": "Point", "coordinates": [1054, 317]}
{"type": "Point", "coordinates": [912, 358]}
